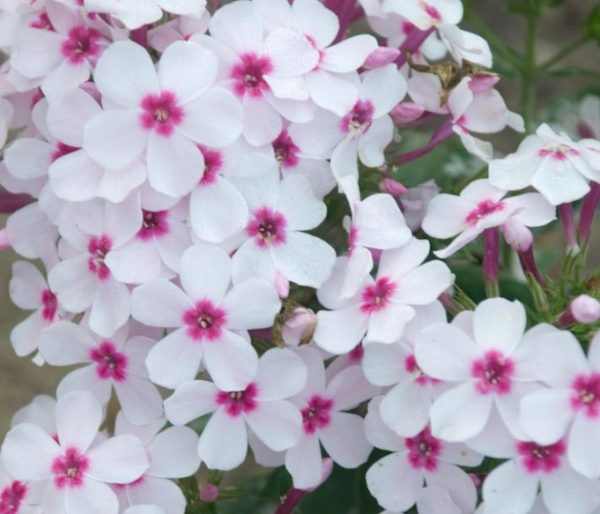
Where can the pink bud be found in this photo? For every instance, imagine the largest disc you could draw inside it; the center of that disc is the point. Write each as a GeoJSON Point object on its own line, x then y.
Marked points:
{"type": "Point", "coordinates": [4, 242]}
{"type": "Point", "coordinates": [299, 327]}
{"type": "Point", "coordinates": [481, 83]}
{"type": "Point", "coordinates": [517, 235]}
{"type": "Point", "coordinates": [406, 112]}
{"type": "Point", "coordinates": [381, 56]}
{"type": "Point", "coordinates": [208, 493]}
{"type": "Point", "coordinates": [585, 309]}
{"type": "Point", "coordinates": [282, 285]}
{"type": "Point", "coordinates": [392, 187]}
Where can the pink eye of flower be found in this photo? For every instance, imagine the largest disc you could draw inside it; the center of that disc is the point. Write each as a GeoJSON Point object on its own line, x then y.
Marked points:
{"type": "Point", "coordinates": [154, 224]}
{"type": "Point", "coordinates": [11, 497]}
{"type": "Point", "coordinates": [248, 74]}
{"type": "Point", "coordinates": [286, 152]}
{"type": "Point", "coordinates": [204, 321]}
{"type": "Point", "coordinates": [42, 22]}
{"type": "Point", "coordinates": [359, 119]}
{"type": "Point", "coordinates": [69, 469]}
{"type": "Point", "coordinates": [410, 365]}
{"type": "Point", "coordinates": [423, 450]}
{"type": "Point", "coordinates": [432, 12]}
{"type": "Point", "coordinates": [98, 247]}
{"type": "Point", "coordinates": [61, 150]}
{"type": "Point", "coordinates": [557, 152]}
{"type": "Point", "coordinates": [81, 43]}
{"type": "Point", "coordinates": [316, 414]}
{"type": "Point", "coordinates": [494, 373]}
{"type": "Point", "coordinates": [213, 162]}
{"type": "Point", "coordinates": [236, 402]}
{"type": "Point", "coordinates": [267, 227]}
{"type": "Point", "coordinates": [376, 296]}
{"type": "Point", "coordinates": [483, 209]}
{"type": "Point", "coordinates": [49, 304]}
{"type": "Point", "coordinates": [110, 363]}
{"type": "Point", "coordinates": [161, 112]}
{"type": "Point", "coordinates": [586, 394]}
{"type": "Point", "coordinates": [535, 457]}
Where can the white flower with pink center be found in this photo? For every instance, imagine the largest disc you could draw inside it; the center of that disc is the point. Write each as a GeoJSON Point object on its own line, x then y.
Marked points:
{"type": "Point", "coordinates": [210, 319]}
{"type": "Point", "coordinates": [258, 66]}
{"type": "Point", "coordinates": [426, 14]}
{"type": "Point", "coordinates": [74, 470]}
{"type": "Point", "coordinates": [398, 480]}
{"type": "Point", "coordinates": [395, 365]}
{"type": "Point", "coordinates": [551, 163]}
{"type": "Point", "coordinates": [488, 362]}
{"type": "Point", "coordinates": [16, 496]}
{"type": "Point", "coordinates": [531, 467]}
{"type": "Point", "coordinates": [83, 279]}
{"type": "Point", "coordinates": [570, 407]}
{"type": "Point", "coordinates": [380, 307]}
{"type": "Point", "coordinates": [478, 207]}
{"type": "Point", "coordinates": [110, 363]}
{"type": "Point", "coordinates": [322, 404]}
{"type": "Point", "coordinates": [160, 113]}
{"type": "Point", "coordinates": [259, 410]}
{"type": "Point", "coordinates": [61, 55]}
{"type": "Point", "coordinates": [362, 132]}
{"type": "Point", "coordinates": [172, 455]}
{"type": "Point", "coordinates": [275, 243]}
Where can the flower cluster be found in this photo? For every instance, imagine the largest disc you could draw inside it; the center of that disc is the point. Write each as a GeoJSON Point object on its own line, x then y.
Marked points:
{"type": "Point", "coordinates": [184, 177]}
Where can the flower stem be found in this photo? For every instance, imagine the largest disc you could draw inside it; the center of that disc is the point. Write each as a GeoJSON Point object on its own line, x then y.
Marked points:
{"type": "Point", "coordinates": [491, 261]}
{"type": "Point", "coordinates": [10, 202]}
{"type": "Point", "coordinates": [439, 136]}
{"type": "Point", "coordinates": [588, 211]}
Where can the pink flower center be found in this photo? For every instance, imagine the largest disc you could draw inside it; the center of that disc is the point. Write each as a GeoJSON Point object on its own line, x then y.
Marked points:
{"type": "Point", "coordinates": [213, 162]}
{"type": "Point", "coordinates": [286, 152]}
{"type": "Point", "coordinates": [423, 450]}
{"type": "Point", "coordinates": [376, 296]}
{"type": "Point", "coordinates": [557, 152]}
{"type": "Point", "coordinates": [483, 209]}
{"type": "Point", "coordinates": [204, 321]}
{"type": "Point", "coordinates": [493, 373]}
{"type": "Point", "coordinates": [236, 402]}
{"type": "Point", "coordinates": [69, 469]}
{"type": "Point", "coordinates": [110, 363]}
{"type": "Point", "coordinates": [535, 457]}
{"type": "Point", "coordinates": [49, 305]}
{"type": "Point", "coordinates": [42, 22]}
{"type": "Point", "coordinates": [98, 247]}
{"type": "Point", "coordinates": [248, 74]}
{"type": "Point", "coordinates": [586, 394]}
{"type": "Point", "coordinates": [154, 224]}
{"type": "Point", "coordinates": [316, 414]}
{"type": "Point", "coordinates": [359, 119]}
{"type": "Point", "coordinates": [161, 112]}
{"type": "Point", "coordinates": [356, 354]}
{"type": "Point", "coordinates": [82, 43]}
{"type": "Point", "coordinates": [61, 150]}
{"type": "Point", "coordinates": [410, 365]}
{"type": "Point", "coordinates": [267, 227]}
{"type": "Point", "coordinates": [11, 497]}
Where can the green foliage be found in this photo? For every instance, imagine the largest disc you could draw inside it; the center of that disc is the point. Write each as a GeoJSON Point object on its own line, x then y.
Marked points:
{"type": "Point", "coordinates": [592, 24]}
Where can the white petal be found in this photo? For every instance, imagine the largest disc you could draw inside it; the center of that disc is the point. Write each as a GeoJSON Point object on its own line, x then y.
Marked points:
{"type": "Point", "coordinates": [173, 453]}
{"type": "Point", "coordinates": [239, 25]}
{"type": "Point", "coordinates": [509, 489]}
{"type": "Point", "coordinates": [387, 325]}
{"type": "Point", "coordinates": [65, 343]}
{"type": "Point", "coordinates": [191, 400]}
{"type": "Point", "coordinates": [93, 497]}
{"type": "Point", "coordinates": [27, 158]}
{"type": "Point", "coordinates": [380, 223]}
{"type": "Point", "coordinates": [424, 284]}
{"type": "Point", "coordinates": [349, 388]}
{"type": "Point", "coordinates": [344, 440]}
{"type": "Point", "coordinates": [333, 92]}
{"type": "Point", "coordinates": [262, 123]}
{"type": "Point", "coordinates": [302, 210]}
{"type": "Point", "coordinates": [584, 446]}
{"type": "Point", "coordinates": [277, 424]}
{"type": "Point", "coordinates": [398, 262]}
{"type": "Point", "coordinates": [110, 308]}
{"type": "Point", "coordinates": [224, 441]}
{"type": "Point", "coordinates": [140, 400]}
{"type": "Point", "coordinates": [348, 55]}
{"type": "Point", "coordinates": [205, 272]}
{"type": "Point", "coordinates": [159, 304]}
{"type": "Point", "coordinates": [75, 177]}
{"type": "Point", "coordinates": [385, 87]}
{"type": "Point", "coordinates": [402, 399]}
{"type": "Point", "coordinates": [119, 460]}
{"type": "Point", "coordinates": [340, 331]}
{"type": "Point", "coordinates": [260, 313]}
{"type": "Point", "coordinates": [26, 285]}
{"type": "Point", "coordinates": [281, 374]}
{"type": "Point", "coordinates": [499, 324]}
{"type": "Point", "coordinates": [78, 418]}
{"type": "Point", "coordinates": [546, 414]}
{"type": "Point", "coordinates": [566, 490]}
{"type": "Point", "coordinates": [303, 461]}
{"type": "Point", "coordinates": [446, 216]}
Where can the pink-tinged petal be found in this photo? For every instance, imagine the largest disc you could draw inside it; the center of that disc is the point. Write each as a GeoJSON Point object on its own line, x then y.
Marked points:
{"type": "Point", "coordinates": [349, 388]}
{"type": "Point", "coordinates": [187, 69]}
{"type": "Point", "coordinates": [251, 261]}
{"type": "Point", "coordinates": [546, 414]}
{"type": "Point", "coordinates": [344, 440]}
{"type": "Point", "coordinates": [319, 175]}
{"type": "Point", "coordinates": [318, 137]}
{"type": "Point", "coordinates": [262, 454]}
{"type": "Point", "coordinates": [239, 25]}
{"type": "Point", "coordinates": [24, 336]}
{"type": "Point", "coordinates": [380, 223]}
{"type": "Point", "coordinates": [303, 462]}
{"type": "Point", "coordinates": [26, 285]}
{"type": "Point", "coordinates": [119, 460]}
{"type": "Point", "coordinates": [494, 441]}
{"type": "Point", "coordinates": [565, 490]}
{"type": "Point", "coordinates": [461, 455]}
{"type": "Point", "coordinates": [290, 52]}
{"type": "Point", "coordinates": [584, 446]}
{"type": "Point", "coordinates": [67, 116]}
{"type": "Point", "coordinates": [349, 55]}
{"type": "Point", "coordinates": [281, 374]}
{"type": "Point", "coordinates": [516, 170]}
{"type": "Point", "coordinates": [387, 325]}
{"type": "Point", "coordinates": [37, 52]}
{"type": "Point", "coordinates": [424, 284]}
{"type": "Point", "coordinates": [372, 145]}
{"type": "Point", "coordinates": [459, 485]}
{"type": "Point", "coordinates": [446, 215]}
{"type": "Point", "coordinates": [172, 246]}
{"type": "Point", "coordinates": [65, 77]}
{"type": "Point", "coordinates": [140, 400]}
{"type": "Point", "coordinates": [224, 441]}
{"type": "Point", "coordinates": [175, 165]}
{"type": "Point", "coordinates": [85, 379]}
{"type": "Point", "coordinates": [556, 180]}
{"type": "Point", "coordinates": [161, 492]}
{"type": "Point", "coordinates": [137, 349]}
{"type": "Point", "coordinates": [278, 424]}
{"type": "Point", "coordinates": [434, 499]}
{"type": "Point", "coordinates": [344, 164]}
{"type": "Point", "coordinates": [218, 211]}
{"type": "Point", "coordinates": [110, 308]}
{"type": "Point", "coordinates": [508, 406]}
{"type": "Point", "coordinates": [27, 158]}
{"type": "Point", "coordinates": [593, 353]}
{"type": "Point", "coordinates": [115, 186]}
{"type": "Point", "coordinates": [159, 304]}
{"type": "Point", "coordinates": [78, 418]}
{"type": "Point", "coordinates": [214, 281]}
{"type": "Point", "coordinates": [136, 262]}
{"type": "Point", "coordinates": [262, 123]}
{"type": "Point", "coordinates": [260, 313]}
{"type": "Point", "coordinates": [335, 93]}
{"type": "Point", "coordinates": [28, 452]}
{"type": "Point", "coordinates": [213, 119]}
{"type": "Point", "coordinates": [30, 232]}
{"type": "Point", "coordinates": [315, 381]}
{"type": "Point", "coordinates": [508, 488]}
{"type": "Point", "coordinates": [533, 209]}
{"type": "Point", "coordinates": [313, 18]}
{"type": "Point", "coordinates": [125, 73]}
{"type": "Point", "coordinates": [174, 360]}
{"type": "Point", "coordinates": [191, 400]}
{"type": "Point", "coordinates": [341, 330]}
{"type": "Point", "coordinates": [173, 453]}
{"type": "Point", "coordinates": [297, 202]}
{"type": "Point", "coordinates": [75, 177]}
{"type": "Point", "coordinates": [231, 361]}
{"type": "Point", "coordinates": [384, 364]}
{"type": "Point", "coordinates": [91, 497]}
{"type": "Point", "coordinates": [348, 276]}
{"type": "Point", "coordinates": [460, 413]}
{"type": "Point", "coordinates": [398, 262]}
{"type": "Point", "coordinates": [377, 432]}
{"type": "Point", "coordinates": [304, 259]}
{"type": "Point", "coordinates": [385, 87]}
{"type": "Point", "coordinates": [462, 240]}
{"type": "Point", "coordinates": [499, 324]}
{"type": "Point", "coordinates": [403, 398]}
{"type": "Point", "coordinates": [394, 483]}
{"type": "Point", "coordinates": [65, 343]}
{"type": "Point", "coordinates": [114, 139]}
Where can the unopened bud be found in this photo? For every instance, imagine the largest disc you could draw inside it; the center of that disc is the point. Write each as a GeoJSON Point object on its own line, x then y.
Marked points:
{"type": "Point", "coordinates": [585, 309]}
{"type": "Point", "coordinates": [4, 242]}
{"type": "Point", "coordinates": [300, 327]}
{"type": "Point", "coordinates": [517, 235]}
{"type": "Point", "coordinates": [208, 493]}
{"type": "Point", "coordinates": [282, 285]}
{"type": "Point", "coordinates": [481, 83]}
{"type": "Point", "coordinates": [381, 56]}
{"type": "Point", "coordinates": [392, 187]}
{"type": "Point", "coordinates": [406, 112]}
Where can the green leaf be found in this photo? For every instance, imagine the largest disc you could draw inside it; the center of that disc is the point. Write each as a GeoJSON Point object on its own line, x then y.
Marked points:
{"type": "Point", "coordinates": [592, 25]}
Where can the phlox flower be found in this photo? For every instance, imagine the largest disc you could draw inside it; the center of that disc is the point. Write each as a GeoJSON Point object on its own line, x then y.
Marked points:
{"type": "Point", "coordinates": [427, 14]}
{"type": "Point", "coordinates": [17, 497]}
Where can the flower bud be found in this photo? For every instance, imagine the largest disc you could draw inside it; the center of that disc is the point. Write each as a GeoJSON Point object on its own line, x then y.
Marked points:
{"type": "Point", "coordinates": [381, 56]}
{"type": "Point", "coordinates": [4, 242]}
{"type": "Point", "coordinates": [299, 327]}
{"type": "Point", "coordinates": [282, 285]}
{"type": "Point", "coordinates": [517, 235]}
{"type": "Point", "coordinates": [481, 83]}
{"type": "Point", "coordinates": [392, 187]}
{"type": "Point", "coordinates": [585, 309]}
{"type": "Point", "coordinates": [208, 493]}
{"type": "Point", "coordinates": [406, 112]}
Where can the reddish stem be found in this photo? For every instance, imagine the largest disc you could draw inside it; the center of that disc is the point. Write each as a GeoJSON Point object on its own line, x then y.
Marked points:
{"type": "Point", "coordinates": [588, 211]}
{"type": "Point", "coordinates": [565, 212]}
{"type": "Point", "coordinates": [412, 43]}
{"type": "Point", "coordinates": [140, 36]}
{"type": "Point", "coordinates": [440, 135]}
{"type": "Point", "coordinates": [527, 259]}
{"type": "Point", "coordinates": [10, 202]}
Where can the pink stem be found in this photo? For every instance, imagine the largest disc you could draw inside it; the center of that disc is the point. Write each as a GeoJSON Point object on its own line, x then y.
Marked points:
{"type": "Point", "coordinates": [588, 210]}
{"type": "Point", "coordinates": [10, 202]}
{"type": "Point", "coordinates": [527, 259]}
{"type": "Point", "coordinates": [140, 36]}
{"type": "Point", "coordinates": [412, 43]}
{"type": "Point", "coordinates": [344, 12]}
{"type": "Point", "coordinates": [491, 260]}
{"type": "Point", "coordinates": [266, 334]}
{"type": "Point", "coordinates": [440, 135]}
{"type": "Point", "coordinates": [565, 211]}
{"type": "Point", "coordinates": [292, 498]}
